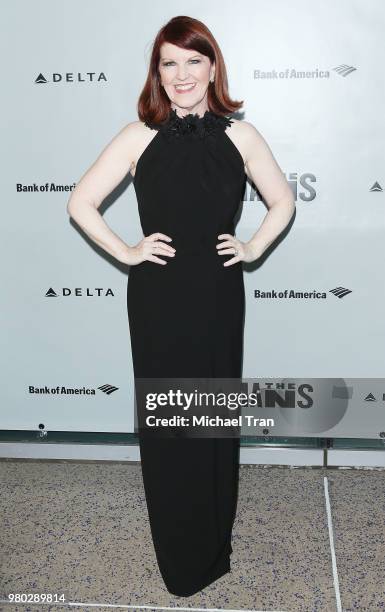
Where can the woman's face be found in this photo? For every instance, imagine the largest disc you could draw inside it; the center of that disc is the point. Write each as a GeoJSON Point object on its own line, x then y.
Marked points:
{"type": "Point", "coordinates": [188, 68]}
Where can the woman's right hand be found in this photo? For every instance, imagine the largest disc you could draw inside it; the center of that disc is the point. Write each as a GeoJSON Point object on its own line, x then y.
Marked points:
{"type": "Point", "coordinates": [148, 249]}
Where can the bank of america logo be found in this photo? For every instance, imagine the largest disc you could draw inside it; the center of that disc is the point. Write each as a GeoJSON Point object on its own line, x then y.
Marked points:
{"type": "Point", "coordinates": [340, 291]}
{"type": "Point", "coordinates": [344, 69]}
{"type": "Point", "coordinates": [108, 389]}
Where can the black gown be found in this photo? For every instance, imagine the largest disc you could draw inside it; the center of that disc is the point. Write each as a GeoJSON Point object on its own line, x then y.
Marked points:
{"type": "Point", "coordinates": [186, 319]}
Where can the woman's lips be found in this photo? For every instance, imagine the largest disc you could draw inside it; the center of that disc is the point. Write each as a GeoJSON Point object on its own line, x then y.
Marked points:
{"type": "Point", "coordinates": [184, 90]}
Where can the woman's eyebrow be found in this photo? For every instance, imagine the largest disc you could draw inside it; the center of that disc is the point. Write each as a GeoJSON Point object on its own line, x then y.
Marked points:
{"type": "Point", "coordinates": [169, 58]}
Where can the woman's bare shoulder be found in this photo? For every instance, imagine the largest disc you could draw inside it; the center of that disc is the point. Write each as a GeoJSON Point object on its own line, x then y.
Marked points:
{"type": "Point", "coordinates": [248, 138]}
{"type": "Point", "coordinates": [138, 136]}
{"type": "Point", "coordinates": [134, 130]}
{"type": "Point", "coordinates": [241, 132]}
{"type": "Point", "coordinates": [245, 129]}
{"type": "Point", "coordinates": [131, 140]}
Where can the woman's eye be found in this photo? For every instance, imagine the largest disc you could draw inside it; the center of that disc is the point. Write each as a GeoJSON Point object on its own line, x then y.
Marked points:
{"type": "Point", "coordinates": [194, 61]}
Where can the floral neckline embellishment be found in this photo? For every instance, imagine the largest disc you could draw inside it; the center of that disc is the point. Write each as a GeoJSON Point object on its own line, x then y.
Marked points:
{"type": "Point", "coordinates": [191, 124]}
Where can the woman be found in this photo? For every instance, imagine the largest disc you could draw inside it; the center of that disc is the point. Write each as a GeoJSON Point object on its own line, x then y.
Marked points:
{"type": "Point", "coordinates": [185, 290]}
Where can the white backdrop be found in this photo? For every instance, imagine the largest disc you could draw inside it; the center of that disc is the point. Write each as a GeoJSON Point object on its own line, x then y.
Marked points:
{"type": "Point", "coordinates": [311, 78]}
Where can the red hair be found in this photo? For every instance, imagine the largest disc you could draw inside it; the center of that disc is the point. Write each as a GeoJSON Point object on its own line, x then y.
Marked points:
{"type": "Point", "coordinates": [187, 33]}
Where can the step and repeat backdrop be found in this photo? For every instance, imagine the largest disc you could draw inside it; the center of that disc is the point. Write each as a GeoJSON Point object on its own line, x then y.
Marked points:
{"type": "Point", "coordinates": [311, 80]}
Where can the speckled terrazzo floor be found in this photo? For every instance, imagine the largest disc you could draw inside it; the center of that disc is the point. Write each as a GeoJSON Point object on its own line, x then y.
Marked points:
{"type": "Point", "coordinates": [82, 529]}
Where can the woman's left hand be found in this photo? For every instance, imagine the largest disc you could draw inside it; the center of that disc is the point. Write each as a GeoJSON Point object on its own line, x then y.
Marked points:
{"type": "Point", "coordinates": [242, 251]}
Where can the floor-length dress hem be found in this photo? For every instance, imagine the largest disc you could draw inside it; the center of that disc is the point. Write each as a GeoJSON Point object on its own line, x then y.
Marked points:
{"type": "Point", "coordinates": [223, 568]}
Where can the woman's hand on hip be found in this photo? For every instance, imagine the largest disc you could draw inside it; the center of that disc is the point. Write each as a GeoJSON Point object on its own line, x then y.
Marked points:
{"type": "Point", "coordinates": [242, 251]}
{"type": "Point", "coordinates": [149, 248]}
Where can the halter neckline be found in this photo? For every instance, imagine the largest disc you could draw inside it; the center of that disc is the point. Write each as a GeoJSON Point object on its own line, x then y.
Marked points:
{"type": "Point", "coordinates": [191, 124]}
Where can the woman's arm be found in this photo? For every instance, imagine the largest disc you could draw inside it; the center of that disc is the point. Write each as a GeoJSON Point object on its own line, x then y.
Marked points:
{"type": "Point", "coordinates": [264, 171]}
{"type": "Point", "coordinates": [98, 182]}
